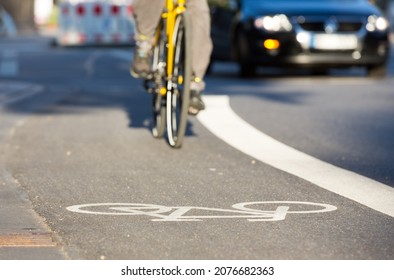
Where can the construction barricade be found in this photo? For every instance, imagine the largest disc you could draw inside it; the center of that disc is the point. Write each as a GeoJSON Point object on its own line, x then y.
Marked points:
{"type": "Point", "coordinates": [95, 22]}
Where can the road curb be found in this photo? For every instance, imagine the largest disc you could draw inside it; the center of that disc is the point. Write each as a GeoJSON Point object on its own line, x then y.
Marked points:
{"type": "Point", "coordinates": [23, 233]}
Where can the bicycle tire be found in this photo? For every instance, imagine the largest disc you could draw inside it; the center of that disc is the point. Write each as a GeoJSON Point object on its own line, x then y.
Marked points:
{"type": "Point", "coordinates": [178, 95]}
{"type": "Point", "coordinates": [158, 100]}
{"type": "Point", "coordinates": [159, 116]}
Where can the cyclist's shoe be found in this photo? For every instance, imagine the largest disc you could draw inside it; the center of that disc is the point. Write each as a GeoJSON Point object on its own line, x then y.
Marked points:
{"type": "Point", "coordinates": [196, 103]}
{"type": "Point", "coordinates": [141, 65]}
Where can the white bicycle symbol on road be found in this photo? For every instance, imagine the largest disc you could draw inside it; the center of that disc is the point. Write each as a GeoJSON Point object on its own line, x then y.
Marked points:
{"type": "Point", "coordinates": [258, 211]}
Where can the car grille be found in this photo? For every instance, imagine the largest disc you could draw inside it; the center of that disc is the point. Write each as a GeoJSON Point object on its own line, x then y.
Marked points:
{"type": "Point", "coordinates": [342, 27]}
{"type": "Point", "coordinates": [320, 24]}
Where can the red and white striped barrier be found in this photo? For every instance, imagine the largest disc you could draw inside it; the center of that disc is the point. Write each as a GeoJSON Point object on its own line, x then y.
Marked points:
{"type": "Point", "coordinates": [95, 22]}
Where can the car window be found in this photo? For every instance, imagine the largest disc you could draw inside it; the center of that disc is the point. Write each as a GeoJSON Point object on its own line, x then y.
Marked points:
{"type": "Point", "coordinates": [341, 1]}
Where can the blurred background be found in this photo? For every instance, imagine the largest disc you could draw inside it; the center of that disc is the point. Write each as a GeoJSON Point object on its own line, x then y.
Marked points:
{"type": "Point", "coordinates": [65, 17]}
{"type": "Point", "coordinates": [29, 15]}
{"type": "Point", "coordinates": [32, 15]}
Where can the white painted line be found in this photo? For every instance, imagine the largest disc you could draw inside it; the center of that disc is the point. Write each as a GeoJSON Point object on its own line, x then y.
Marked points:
{"type": "Point", "coordinates": [226, 125]}
{"type": "Point", "coordinates": [123, 55]}
{"type": "Point", "coordinates": [9, 68]}
{"type": "Point", "coordinates": [9, 54]}
{"type": "Point", "coordinates": [21, 94]}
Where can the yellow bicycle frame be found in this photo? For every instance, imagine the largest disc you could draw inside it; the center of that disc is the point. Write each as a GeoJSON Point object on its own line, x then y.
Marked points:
{"type": "Point", "coordinates": [172, 9]}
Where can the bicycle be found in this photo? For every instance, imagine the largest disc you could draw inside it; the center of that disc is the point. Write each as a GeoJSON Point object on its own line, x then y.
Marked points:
{"type": "Point", "coordinates": [171, 73]}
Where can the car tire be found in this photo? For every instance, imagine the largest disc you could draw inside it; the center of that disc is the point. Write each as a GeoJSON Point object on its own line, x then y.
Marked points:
{"type": "Point", "coordinates": [320, 72]}
{"type": "Point", "coordinates": [377, 71]}
{"type": "Point", "coordinates": [246, 68]}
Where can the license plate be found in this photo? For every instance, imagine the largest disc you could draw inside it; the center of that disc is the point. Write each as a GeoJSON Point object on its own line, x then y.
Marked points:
{"type": "Point", "coordinates": [335, 42]}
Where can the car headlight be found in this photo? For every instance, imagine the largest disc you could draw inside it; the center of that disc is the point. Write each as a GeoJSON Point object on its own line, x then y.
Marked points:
{"type": "Point", "coordinates": [274, 23]}
{"type": "Point", "coordinates": [376, 23]}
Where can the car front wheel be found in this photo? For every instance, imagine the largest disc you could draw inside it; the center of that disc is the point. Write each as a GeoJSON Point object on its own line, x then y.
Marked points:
{"type": "Point", "coordinates": [246, 68]}
{"type": "Point", "coordinates": [377, 71]}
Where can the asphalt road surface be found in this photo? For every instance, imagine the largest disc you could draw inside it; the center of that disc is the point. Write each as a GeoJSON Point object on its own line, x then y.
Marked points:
{"type": "Point", "coordinates": [282, 166]}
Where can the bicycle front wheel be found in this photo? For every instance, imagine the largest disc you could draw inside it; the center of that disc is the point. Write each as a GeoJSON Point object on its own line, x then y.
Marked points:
{"type": "Point", "coordinates": [178, 94]}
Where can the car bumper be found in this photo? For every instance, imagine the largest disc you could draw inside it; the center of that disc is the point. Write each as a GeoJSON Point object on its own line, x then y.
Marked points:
{"type": "Point", "coordinates": [318, 60]}
{"type": "Point", "coordinates": [372, 49]}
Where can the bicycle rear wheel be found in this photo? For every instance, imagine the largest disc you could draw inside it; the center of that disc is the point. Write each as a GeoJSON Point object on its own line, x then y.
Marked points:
{"type": "Point", "coordinates": [159, 116]}
{"type": "Point", "coordinates": [158, 69]}
{"type": "Point", "coordinates": [178, 95]}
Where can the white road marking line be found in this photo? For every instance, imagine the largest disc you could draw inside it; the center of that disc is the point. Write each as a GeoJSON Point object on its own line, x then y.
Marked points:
{"type": "Point", "coordinates": [226, 125]}
{"type": "Point", "coordinates": [89, 64]}
{"type": "Point", "coordinates": [9, 54]}
{"type": "Point", "coordinates": [9, 66]}
{"type": "Point", "coordinates": [21, 92]}
{"type": "Point", "coordinates": [123, 55]}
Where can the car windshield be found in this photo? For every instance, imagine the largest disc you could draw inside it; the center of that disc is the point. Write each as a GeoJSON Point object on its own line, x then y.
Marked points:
{"type": "Point", "coordinates": [320, 1]}
{"type": "Point", "coordinates": [295, 2]}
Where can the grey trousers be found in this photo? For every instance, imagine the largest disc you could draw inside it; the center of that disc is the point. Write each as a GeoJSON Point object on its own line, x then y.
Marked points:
{"type": "Point", "coordinates": [147, 15]}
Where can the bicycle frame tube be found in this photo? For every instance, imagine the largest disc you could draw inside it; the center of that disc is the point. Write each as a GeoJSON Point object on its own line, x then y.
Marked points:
{"type": "Point", "coordinates": [172, 11]}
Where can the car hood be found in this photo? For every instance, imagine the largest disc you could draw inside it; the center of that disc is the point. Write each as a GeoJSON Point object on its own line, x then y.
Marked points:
{"type": "Point", "coordinates": [254, 8]}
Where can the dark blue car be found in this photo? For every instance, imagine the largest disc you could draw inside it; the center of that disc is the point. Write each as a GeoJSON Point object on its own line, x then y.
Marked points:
{"type": "Point", "coordinates": [314, 34]}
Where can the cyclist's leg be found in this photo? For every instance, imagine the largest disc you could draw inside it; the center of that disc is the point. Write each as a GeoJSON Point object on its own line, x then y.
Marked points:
{"type": "Point", "coordinates": [202, 48]}
{"type": "Point", "coordinates": [201, 42]}
{"type": "Point", "coordinates": [147, 15]}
